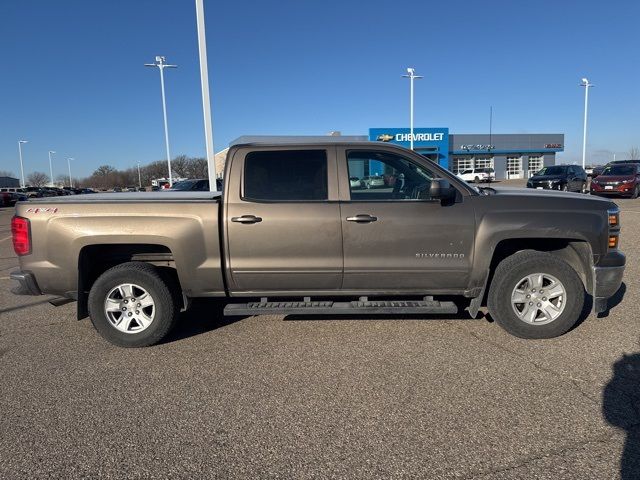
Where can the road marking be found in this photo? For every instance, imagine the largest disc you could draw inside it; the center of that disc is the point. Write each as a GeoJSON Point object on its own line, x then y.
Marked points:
{"type": "Point", "coordinates": [6, 238]}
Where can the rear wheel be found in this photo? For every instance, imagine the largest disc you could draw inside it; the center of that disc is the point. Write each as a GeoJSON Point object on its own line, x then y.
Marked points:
{"type": "Point", "coordinates": [535, 295]}
{"type": "Point", "coordinates": [131, 305]}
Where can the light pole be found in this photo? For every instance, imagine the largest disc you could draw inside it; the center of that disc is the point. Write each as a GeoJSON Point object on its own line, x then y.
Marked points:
{"type": "Point", "coordinates": [69, 165]}
{"type": "Point", "coordinates": [585, 83]}
{"type": "Point", "coordinates": [139, 177]}
{"type": "Point", "coordinates": [51, 152]}
{"type": "Point", "coordinates": [20, 142]}
{"type": "Point", "coordinates": [206, 103]}
{"type": "Point", "coordinates": [160, 63]}
{"type": "Point", "coordinates": [411, 76]}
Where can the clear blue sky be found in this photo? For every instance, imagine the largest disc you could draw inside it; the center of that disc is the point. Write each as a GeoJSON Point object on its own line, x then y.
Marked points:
{"type": "Point", "coordinates": [72, 76]}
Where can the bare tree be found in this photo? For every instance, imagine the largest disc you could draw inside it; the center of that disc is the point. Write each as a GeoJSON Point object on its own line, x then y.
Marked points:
{"type": "Point", "coordinates": [199, 168]}
{"type": "Point", "coordinates": [37, 179]}
{"type": "Point", "coordinates": [180, 166]}
{"type": "Point", "coordinates": [62, 180]}
{"type": "Point", "coordinates": [634, 153]}
{"type": "Point", "coordinates": [6, 173]}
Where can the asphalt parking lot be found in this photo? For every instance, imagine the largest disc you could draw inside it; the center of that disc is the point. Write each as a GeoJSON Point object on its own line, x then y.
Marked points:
{"type": "Point", "coordinates": [270, 397]}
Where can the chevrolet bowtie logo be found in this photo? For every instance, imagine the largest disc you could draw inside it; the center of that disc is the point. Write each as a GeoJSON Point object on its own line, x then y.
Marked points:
{"type": "Point", "coordinates": [385, 137]}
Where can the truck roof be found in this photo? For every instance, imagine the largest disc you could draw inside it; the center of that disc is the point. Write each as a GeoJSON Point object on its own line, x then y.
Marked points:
{"type": "Point", "coordinates": [109, 197]}
{"type": "Point", "coordinates": [318, 143]}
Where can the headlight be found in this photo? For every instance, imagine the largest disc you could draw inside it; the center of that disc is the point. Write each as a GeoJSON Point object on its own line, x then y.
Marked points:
{"type": "Point", "coordinates": [627, 181]}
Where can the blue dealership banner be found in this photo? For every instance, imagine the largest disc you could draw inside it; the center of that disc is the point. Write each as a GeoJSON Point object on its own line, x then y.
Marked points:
{"type": "Point", "coordinates": [431, 142]}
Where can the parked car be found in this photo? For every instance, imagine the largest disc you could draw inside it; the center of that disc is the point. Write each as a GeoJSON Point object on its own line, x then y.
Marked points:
{"type": "Point", "coordinates": [599, 169]}
{"type": "Point", "coordinates": [478, 175]}
{"type": "Point", "coordinates": [19, 197]}
{"type": "Point", "coordinates": [568, 178]}
{"type": "Point", "coordinates": [372, 181]}
{"type": "Point", "coordinates": [621, 179]}
{"type": "Point", "coordinates": [288, 236]}
{"type": "Point", "coordinates": [195, 185]}
{"type": "Point", "coordinates": [9, 199]}
{"type": "Point", "coordinates": [6, 199]}
{"type": "Point", "coordinates": [192, 185]}
{"type": "Point", "coordinates": [117, 189]}
{"type": "Point", "coordinates": [39, 192]}
{"type": "Point", "coordinates": [354, 182]}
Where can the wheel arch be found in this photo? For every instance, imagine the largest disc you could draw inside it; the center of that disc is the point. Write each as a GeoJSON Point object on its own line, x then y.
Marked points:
{"type": "Point", "coordinates": [94, 260]}
{"type": "Point", "coordinates": [577, 253]}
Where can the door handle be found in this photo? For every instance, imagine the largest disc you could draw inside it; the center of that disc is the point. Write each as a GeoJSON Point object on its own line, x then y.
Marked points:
{"type": "Point", "coordinates": [246, 219]}
{"type": "Point", "coordinates": [362, 218]}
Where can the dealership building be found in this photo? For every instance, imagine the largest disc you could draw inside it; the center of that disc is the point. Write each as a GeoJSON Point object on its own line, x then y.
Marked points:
{"type": "Point", "coordinates": [511, 156]}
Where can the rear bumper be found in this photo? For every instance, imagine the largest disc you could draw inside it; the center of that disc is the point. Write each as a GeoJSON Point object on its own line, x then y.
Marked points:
{"type": "Point", "coordinates": [607, 279]}
{"type": "Point", "coordinates": [27, 284]}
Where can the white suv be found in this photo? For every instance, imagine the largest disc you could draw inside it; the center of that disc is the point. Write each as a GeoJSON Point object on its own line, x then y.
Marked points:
{"type": "Point", "coordinates": [478, 175]}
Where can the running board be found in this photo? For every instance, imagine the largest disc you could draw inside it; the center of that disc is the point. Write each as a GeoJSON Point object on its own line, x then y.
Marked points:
{"type": "Point", "coordinates": [362, 306]}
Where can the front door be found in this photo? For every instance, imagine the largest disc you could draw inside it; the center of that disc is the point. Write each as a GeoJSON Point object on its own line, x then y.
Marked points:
{"type": "Point", "coordinates": [396, 238]}
{"type": "Point", "coordinates": [283, 230]}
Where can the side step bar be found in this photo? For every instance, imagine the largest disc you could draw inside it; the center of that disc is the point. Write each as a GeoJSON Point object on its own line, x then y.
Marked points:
{"type": "Point", "coordinates": [362, 306]}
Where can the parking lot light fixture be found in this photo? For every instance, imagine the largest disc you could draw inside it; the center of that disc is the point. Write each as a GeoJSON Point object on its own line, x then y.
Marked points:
{"type": "Point", "coordinates": [411, 75]}
{"type": "Point", "coordinates": [585, 83]}
{"type": "Point", "coordinates": [139, 177]}
{"type": "Point", "coordinates": [20, 142]}
{"type": "Point", "coordinates": [51, 152]}
{"type": "Point", "coordinates": [69, 165]}
{"type": "Point", "coordinates": [161, 65]}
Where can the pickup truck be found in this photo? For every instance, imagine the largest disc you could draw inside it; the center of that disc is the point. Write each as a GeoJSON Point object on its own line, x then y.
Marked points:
{"type": "Point", "coordinates": [291, 234]}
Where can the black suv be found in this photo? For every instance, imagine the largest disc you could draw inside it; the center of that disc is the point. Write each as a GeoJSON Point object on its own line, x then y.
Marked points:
{"type": "Point", "coordinates": [568, 178]}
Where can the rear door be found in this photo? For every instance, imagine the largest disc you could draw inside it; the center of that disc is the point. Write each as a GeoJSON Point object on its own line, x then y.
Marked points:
{"type": "Point", "coordinates": [282, 220]}
{"type": "Point", "coordinates": [396, 238]}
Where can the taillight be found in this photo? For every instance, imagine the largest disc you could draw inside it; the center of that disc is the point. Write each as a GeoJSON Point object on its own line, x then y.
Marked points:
{"type": "Point", "coordinates": [21, 232]}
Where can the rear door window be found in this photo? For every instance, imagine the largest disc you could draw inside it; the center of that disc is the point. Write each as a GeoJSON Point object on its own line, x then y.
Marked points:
{"type": "Point", "coordinates": [286, 175]}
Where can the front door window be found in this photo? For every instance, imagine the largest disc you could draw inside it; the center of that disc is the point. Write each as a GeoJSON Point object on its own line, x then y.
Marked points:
{"type": "Point", "coordinates": [375, 176]}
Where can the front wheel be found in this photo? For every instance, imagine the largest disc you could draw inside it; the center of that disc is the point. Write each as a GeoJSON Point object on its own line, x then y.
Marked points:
{"type": "Point", "coordinates": [636, 192]}
{"type": "Point", "coordinates": [535, 295]}
{"type": "Point", "coordinates": [476, 180]}
{"type": "Point", "coordinates": [131, 305]}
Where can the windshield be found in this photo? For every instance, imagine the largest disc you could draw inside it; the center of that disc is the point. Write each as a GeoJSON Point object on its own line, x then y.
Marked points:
{"type": "Point", "coordinates": [620, 170]}
{"type": "Point", "coordinates": [554, 170]}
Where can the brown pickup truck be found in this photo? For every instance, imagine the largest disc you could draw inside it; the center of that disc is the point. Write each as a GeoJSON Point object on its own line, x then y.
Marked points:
{"type": "Point", "coordinates": [297, 231]}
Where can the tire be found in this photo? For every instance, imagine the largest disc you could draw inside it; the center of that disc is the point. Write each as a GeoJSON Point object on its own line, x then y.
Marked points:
{"type": "Point", "coordinates": [636, 192]}
{"type": "Point", "coordinates": [476, 180]}
{"type": "Point", "coordinates": [584, 188]}
{"type": "Point", "coordinates": [156, 320]}
{"type": "Point", "coordinates": [564, 187]}
{"type": "Point", "coordinates": [508, 276]}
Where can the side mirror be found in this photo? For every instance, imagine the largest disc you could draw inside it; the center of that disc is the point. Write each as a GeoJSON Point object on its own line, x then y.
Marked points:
{"type": "Point", "coordinates": [441, 189]}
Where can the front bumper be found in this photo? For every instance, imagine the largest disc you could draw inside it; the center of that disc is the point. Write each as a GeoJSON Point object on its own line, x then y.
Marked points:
{"type": "Point", "coordinates": [621, 189]}
{"type": "Point", "coordinates": [27, 284]}
{"type": "Point", "coordinates": [545, 185]}
{"type": "Point", "coordinates": [607, 278]}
